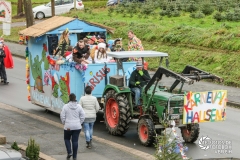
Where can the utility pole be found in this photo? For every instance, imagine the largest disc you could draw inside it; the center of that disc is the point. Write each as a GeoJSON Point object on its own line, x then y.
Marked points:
{"type": "Point", "coordinates": [28, 12]}
{"type": "Point", "coordinates": [53, 7]}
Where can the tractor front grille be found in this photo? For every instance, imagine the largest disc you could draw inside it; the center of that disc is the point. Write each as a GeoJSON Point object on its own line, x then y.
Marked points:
{"type": "Point", "coordinates": [172, 103]}
{"type": "Point", "coordinates": [176, 103]}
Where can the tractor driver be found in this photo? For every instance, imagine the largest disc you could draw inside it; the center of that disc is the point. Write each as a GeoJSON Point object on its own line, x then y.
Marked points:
{"type": "Point", "coordinates": [138, 79]}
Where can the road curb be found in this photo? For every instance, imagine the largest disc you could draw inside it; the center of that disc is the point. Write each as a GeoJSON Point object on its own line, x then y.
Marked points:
{"type": "Point", "coordinates": [132, 151]}
{"type": "Point", "coordinates": [233, 104]}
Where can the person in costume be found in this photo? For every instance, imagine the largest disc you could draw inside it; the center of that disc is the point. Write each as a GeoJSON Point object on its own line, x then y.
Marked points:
{"type": "Point", "coordinates": [134, 44]}
{"type": "Point", "coordinates": [2, 66]}
{"type": "Point", "coordinates": [117, 47]}
{"type": "Point", "coordinates": [100, 55]}
{"type": "Point", "coordinates": [63, 43]}
{"type": "Point", "coordinates": [83, 49]}
{"type": "Point", "coordinates": [8, 60]}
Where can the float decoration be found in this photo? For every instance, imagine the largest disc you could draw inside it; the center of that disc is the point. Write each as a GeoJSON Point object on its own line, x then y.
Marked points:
{"type": "Point", "coordinates": [21, 39]}
{"type": "Point", "coordinates": [173, 145]}
{"type": "Point", "coordinates": [27, 71]}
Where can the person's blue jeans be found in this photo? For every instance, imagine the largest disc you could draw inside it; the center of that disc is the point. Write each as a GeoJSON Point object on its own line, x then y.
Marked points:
{"type": "Point", "coordinates": [74, 134]}
{"type": "Point", "coordinates": [137, 92]}
{"type": "Point", "coordinates": [88, 130]}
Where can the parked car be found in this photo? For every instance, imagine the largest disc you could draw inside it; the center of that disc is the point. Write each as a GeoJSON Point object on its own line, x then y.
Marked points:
{"type": "Point", "coordinates": [10, 154]}
{"type": "Point", "coordinates": [61, 6]}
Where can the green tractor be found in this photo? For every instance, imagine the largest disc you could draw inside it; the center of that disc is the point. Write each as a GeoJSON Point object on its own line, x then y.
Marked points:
{"type": "Point", "coordinates": [158, 102]}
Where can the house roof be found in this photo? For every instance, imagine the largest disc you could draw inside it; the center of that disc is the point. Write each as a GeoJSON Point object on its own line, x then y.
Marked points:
{"type": "Point", "coordinates": [43, 27]}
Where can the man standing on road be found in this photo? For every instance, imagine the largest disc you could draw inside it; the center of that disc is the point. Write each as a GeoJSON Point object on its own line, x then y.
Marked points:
{"type": "Point", "coordinates": [8, 60]}
{"type": "Point", "coordinates": [3, 74]}
{"type": "Point", "coordinates": [138, 79]}
{"type": "Point", "coordinates": [72, 116]}
{"type": "Point", "coordinates": [91, 107]}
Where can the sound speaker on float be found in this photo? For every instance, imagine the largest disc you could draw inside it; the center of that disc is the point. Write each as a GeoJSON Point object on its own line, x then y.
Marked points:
{"type": "Point", "coordinates": [52, 44]}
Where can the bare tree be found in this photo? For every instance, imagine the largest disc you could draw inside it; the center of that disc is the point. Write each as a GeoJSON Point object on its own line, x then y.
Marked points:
{"type": "Point", "coordinates": [20, 7]}
{"type": "Point", "coordinates": [53, 7]}
{"type": "Point", "coordinates": [28, 12]}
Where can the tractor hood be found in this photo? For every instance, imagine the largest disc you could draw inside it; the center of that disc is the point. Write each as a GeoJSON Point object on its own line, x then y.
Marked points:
{"type": "Point", "coordinates": [162, 95]}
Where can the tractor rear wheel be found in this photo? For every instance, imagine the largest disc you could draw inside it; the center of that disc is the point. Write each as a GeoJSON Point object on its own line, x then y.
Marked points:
{"type": "Point", "coordinates": [146, 131]}
{"type": "Point", "coordinates": [190, 133]}
{"type": "Point", "coordinates": [116, 113]}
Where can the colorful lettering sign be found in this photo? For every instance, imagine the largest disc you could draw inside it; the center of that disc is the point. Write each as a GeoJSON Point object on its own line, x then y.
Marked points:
{"type": "Point", "coordinates": [205, 106]}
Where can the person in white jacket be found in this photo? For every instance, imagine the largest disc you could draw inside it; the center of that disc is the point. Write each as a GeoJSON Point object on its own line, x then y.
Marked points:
{"type": "Point", "coordinates": [91, 107]}
{"type": "Point", "coordinates": [100, 55]}
{"type": "Point", "coordinates": [72, 116]}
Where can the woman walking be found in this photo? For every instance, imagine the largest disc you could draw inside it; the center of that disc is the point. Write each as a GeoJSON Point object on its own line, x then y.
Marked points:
{"type": "Point", "coordinates": [72, 116]}
{"type": "Point", "coordinates": [90, 106]}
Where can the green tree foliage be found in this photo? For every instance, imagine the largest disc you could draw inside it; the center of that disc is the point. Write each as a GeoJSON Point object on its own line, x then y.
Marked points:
{"type": "Point", "coordinates": [219, 16]}
{"type": "Point", "coordinates": [32, 150]}
{"type": "Point", "coordinates": [207, 9]}
{"type": "Point", "coordinates": [229, 9]}
{"type": "Point", "coordinates": [15, 146]}
{"type": "Point", "coordinates": [192, 7]}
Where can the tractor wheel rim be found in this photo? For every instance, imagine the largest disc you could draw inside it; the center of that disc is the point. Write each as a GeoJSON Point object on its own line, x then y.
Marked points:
{"type": "Point", "coordinates": [144, 132]}
{"type": "Point", "coordinates": [186, 132]}
{"type": "Point", "coordinates": [112, 112]}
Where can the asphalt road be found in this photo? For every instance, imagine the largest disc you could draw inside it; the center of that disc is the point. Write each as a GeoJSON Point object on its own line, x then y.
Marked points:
{"type": "Point", "coordinates": [15, 94]}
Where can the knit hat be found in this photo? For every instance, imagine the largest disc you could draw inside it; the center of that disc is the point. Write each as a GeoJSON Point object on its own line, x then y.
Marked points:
{"type": "Point", "coordinates": [102, 45]}
{"type": "Point", "coordinates": [139, 64]}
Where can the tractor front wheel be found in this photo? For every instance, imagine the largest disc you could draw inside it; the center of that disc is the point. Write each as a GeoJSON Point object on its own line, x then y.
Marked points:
{"type": "Point", "coordinates": [190, 133]}
{"type": "Point", "coordinates": [116, 113]}
{"type": "Point", "coordinates": [146, 131]}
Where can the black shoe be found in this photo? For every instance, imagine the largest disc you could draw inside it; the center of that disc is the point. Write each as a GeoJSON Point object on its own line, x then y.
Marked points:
{"type": "Point", "coordinates": [88, 145]}
{"type": "Point", "coordinates": [69, 156]}
{"type": "Point", "coordinates": [6, 83]}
